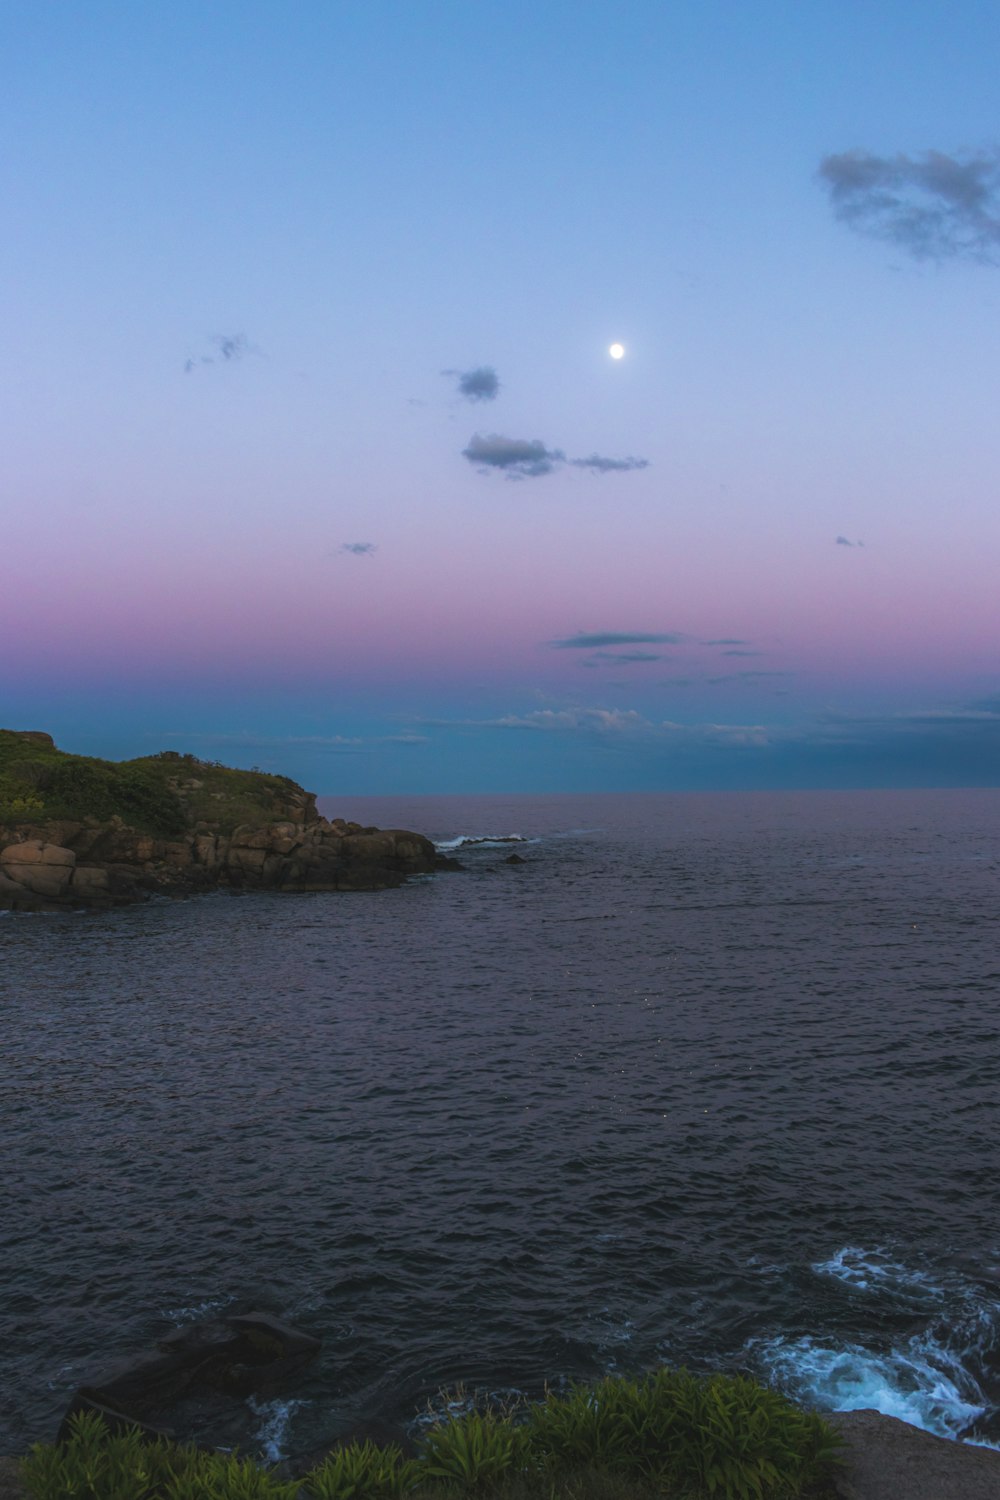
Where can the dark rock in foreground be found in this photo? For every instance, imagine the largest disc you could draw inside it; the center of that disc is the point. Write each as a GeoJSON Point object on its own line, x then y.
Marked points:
{"type": "Point", "coordinates": [254, 1354]}
{"type": "Point", "coordinates": [191, 826]}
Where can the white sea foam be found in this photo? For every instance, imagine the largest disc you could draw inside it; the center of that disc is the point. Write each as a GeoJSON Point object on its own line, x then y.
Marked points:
{"type": "Point", "coordinates": [932, 1379]}
{"type": "Point", "coordinates": [276, 1417]}
{"type": "Point", "coordinates": [198, 1309]}
{"type": "Point", "coordinates": [466, 840]}
{"type": "Point", "coordinates": [874, 1270]}
{"type": "Point", "coordinates": [928, 1388]}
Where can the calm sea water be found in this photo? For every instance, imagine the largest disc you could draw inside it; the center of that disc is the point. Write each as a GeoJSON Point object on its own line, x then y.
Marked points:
{"type": "Point", "coordinates": [708, 1079]}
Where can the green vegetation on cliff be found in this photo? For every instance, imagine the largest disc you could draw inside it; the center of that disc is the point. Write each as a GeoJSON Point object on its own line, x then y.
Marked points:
{"type": "Point", "coordinates": [164, 795]}
{"type": "Point", "coordinates": [669, 1436]}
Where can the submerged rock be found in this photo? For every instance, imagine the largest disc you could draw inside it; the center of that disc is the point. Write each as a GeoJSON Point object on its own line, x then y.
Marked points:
{"type": "Point", "coordinates": [251, 1355]}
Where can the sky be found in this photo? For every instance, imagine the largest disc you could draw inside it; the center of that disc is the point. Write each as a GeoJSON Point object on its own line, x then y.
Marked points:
{"type": "Point", "coordinates": [315, 456]}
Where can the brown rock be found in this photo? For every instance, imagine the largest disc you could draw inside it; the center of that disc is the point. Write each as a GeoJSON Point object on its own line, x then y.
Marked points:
{"type": "Point", "coordinates": [246, 861]}
{"type": "Point", "coordinates": [89, 882]}
{"type": "Point", "coordinates": [885, 1459]}
{"type": "Point", "coordinates": [44, 869]}
{"type": "Point", "coordinates": [36, 852]}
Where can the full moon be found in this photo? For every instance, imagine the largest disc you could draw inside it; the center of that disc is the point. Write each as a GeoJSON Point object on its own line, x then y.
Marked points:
{"type": "Point", "coordinates": [616, 351]}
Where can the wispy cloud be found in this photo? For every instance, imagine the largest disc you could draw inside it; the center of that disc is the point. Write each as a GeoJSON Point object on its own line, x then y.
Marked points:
{"type": "Point", "coordinates": [517, 458]}
{"type": "Point", "coordinates": [600, 658]}
{"type": "Point", "coordinates": [229, 348]}
{"type": "Point", "coordinates": [726, 640]}
{"type": "Point", "coordinates": [843, 541]}
{"type": "Point", "coordinates": [748, 676]}
{"type": "Point", "coordinates": [623, 725]}
{"type": "Point", "coordinates": [594, 720]}
{"type": "Point", "coordinates": [600, 465]}
{"type": "Point", "coordinates": [934, 206]}
{"type": "Point", "coordinates": [597, 640]}
{"type": "Point", "coordinates": [359, 549]}
{"type": "Point", "coordinates": [480, 384]}
{"type": "Point", "coordinates": [530, 458]}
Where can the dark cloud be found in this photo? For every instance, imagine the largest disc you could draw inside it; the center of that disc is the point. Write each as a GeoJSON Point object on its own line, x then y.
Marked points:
{"type": "Point", "coordinates": [599, 465]}
{"type": "Point", "coordinates": [726, 640]}
{"type": "Point", "coordinates": [359, 549]}
{"type": "Point", "coordinates": [529, 458]}
{"type": "Point", "coordinates": [742, 677]}
{"type": "Point", "coordinates": [843, 541]}
{"type": "Point", "coordinates": [935, 207]}
{"type": "Point", "coordinates": [616, 638]}
{"type": "Point", "coordinates": [626, 656]}
{"type": "Point", "coordinates": [481, 384]}
{"type": "Point", "coordinates": [518, 458]}
{"type": "Point", "coordinates": [229, 347]}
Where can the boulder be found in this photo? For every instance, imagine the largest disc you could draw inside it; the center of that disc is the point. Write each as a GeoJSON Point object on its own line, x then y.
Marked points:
{"type": "Point", "coordinates": [36, 852]}
{"type": "Point", "coordinates": [41, 868]}
{"type": "Point", "coordinates": [255, 1354]}
{"type": "Point", "coordinates": [885, 1459]}
{"type": "Point", "coordinates": [90, 882]}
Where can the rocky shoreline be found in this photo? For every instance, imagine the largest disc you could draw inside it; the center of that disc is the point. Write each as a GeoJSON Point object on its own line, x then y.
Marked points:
{"type": "Point", "coordinates": [218, 829]}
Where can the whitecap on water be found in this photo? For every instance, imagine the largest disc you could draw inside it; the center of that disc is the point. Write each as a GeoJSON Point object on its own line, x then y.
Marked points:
{"type": "Point", "coordinates": [272, 1434]}
{"type": "Point", "coordinates": [197, 1310]}
{"type": "Point", "coordinates": [933, 1379]}
{"type": "Point", "coordinates": [467, 840]}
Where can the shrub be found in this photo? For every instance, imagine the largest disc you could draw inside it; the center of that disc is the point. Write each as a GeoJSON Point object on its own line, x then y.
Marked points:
{"type": "Point", "coordinates": [725, 1436]}
{"type": "Point", "coordinates": [97, 1465]}
{"type": "Point", "coordinates": [473, 1450]}
{"type": "Point", "coordinates": [722, 1438]}
{"type": "Point", "coordinates": [362, 1469]}
{"type": "Point", "coordinates": [21, 807]}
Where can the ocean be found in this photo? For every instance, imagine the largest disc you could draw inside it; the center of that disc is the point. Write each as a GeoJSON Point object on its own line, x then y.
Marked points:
{"type": "Point", "coordinates": [709, 1080]}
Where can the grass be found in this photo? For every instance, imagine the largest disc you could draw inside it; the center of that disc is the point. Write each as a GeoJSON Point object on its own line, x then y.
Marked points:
{"type": "Point", "coordinates": [164, 795]}
{"type": "Point", "coordinates": [668, 1436]}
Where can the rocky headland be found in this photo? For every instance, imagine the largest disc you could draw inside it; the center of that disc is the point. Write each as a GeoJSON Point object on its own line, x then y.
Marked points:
{"type": "Point", "coordinates": [76, 831]}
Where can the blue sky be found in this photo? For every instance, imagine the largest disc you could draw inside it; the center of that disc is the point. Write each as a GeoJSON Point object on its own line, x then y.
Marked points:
{"type": "Point", "coordinates": [250, 510]}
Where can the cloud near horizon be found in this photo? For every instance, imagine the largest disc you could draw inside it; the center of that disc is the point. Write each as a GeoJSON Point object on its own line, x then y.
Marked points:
{"type": "Point", "coordinates": [629, 658]}
{"type": "Point", "coordinates": [934, 206]}
{"type": "Point", "coordinates": [583, 641]}
{"type": "Point", "coordinates": [359, 549]}
{"type": "Point", "coordinates": [623, 724]}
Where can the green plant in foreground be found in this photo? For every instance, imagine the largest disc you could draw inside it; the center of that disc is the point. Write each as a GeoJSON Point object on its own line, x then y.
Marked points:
{"type": "Point", "coordinates": [668, 1434]}
{"type": "Point", "coordinates": [97, 1465]}
{"type": "Point", "coordinates": [362, 1469]}
{"type": "Point", "coordinates": [725, 1436]}
{"type": "Point", "coordinates": [474, 1450]}
{"type": "Point", "coordinates": [226, 1476]}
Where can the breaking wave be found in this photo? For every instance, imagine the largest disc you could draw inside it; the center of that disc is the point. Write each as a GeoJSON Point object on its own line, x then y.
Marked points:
{"type": "Point", "coordinates": [272, 1433]}
{"type": "Point", "coordinates": [937, 1377]}
{"type": "Point", "coordinates": [467, 840]}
